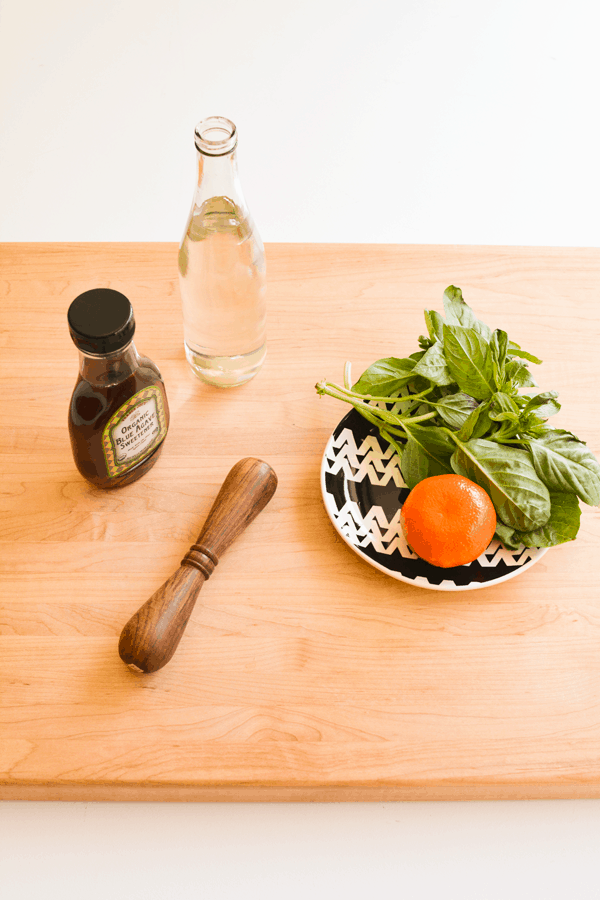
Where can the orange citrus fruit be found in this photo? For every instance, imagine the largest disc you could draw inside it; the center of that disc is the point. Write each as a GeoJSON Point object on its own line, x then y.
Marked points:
{"type": "Point", "coordinates": [448, 520]}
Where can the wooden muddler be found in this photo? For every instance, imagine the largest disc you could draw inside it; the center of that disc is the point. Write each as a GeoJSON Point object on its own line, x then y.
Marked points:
{"type": "Point", "coordinates": [151, 636]}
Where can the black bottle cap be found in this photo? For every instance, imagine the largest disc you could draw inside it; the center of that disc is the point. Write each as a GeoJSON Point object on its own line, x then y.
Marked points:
{"type": "Point", "coordinates": [101, 321]}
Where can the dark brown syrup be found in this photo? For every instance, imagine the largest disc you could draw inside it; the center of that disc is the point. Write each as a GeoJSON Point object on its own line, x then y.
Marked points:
{"type": "Point", "coordinates": [91, 408]}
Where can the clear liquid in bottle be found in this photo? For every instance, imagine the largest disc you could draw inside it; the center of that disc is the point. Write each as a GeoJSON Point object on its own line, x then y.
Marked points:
{"type": "Point", "coordinates": [222, 271]}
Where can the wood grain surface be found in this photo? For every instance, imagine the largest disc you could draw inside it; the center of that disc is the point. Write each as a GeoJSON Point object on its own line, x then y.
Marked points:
{"type": "Point", "coordinates": [152, 635]}
{"type": "Point", "coordinates": [304, 673]}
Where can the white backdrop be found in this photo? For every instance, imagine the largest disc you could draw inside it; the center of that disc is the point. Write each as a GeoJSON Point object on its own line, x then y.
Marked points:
{"type": "Point", "coordinates": [417, 121]}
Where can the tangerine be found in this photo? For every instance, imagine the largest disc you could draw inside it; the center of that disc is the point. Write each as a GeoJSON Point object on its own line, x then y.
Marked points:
{"type": "Point", "coordinates": [448, 520]}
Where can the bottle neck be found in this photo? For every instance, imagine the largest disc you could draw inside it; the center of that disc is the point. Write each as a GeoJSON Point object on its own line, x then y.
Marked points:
{"type": "Point", "coordinates": [218, 177]}
{"type": "Point", "coordinates": [109, 369]}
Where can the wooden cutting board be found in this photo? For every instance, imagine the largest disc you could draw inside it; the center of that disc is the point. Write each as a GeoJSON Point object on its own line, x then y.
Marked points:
{"type": "Point", "coordinates": [304, 673]}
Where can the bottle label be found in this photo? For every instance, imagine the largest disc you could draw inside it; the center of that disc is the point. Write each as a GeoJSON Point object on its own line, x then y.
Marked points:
{"type": "Point", "coordinates": [134, 431]}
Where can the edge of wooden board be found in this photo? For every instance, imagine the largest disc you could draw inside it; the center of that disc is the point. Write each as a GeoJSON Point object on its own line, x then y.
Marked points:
{"type": "Point", "coordinates": [286, 794]}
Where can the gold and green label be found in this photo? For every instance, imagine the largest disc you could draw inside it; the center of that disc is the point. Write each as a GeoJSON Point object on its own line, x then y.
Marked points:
{"type": "Point", "coordinates": [134, 431]}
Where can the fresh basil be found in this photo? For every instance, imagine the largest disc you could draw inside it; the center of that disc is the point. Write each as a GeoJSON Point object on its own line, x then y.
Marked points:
{"type": "Point", "coordinates": [434, 367]}
{"type": "Point", "coordinates": [414, 464]}
{"type": "Point", "coordinates": [459, 313]}
{"type": "Point", "coordinates": [435, 324]}
{"type": "Point", "coordinates": [545, 405]}
{"type": "Point", "coordinates": [498, 345]}
{"type": "Point", "coordinates": [455, 409]}
{"type": "Point", "coordinates": [514, 350]}
{"type": "Point", "coordinates": [507, 474]}
{"type": "Point", "coordinates": [566, 464]}
{"type": "Point", "coordinates": [456, 405]}
{"type": "Point", "coordinates": [562, 526]}
{"type": "Point", "coordinates": [435, 441]}
{"type": "Point", "coordinates": [434, 445]}
{"type": "Point", "coordinates": [518, 373]}
{"type": "Point", "coordinates": [508, 536]}
{"type": "Point", "coordinates": [385, 377]}
{"type": "Point", "coordinates": [477, 424]}
{"type": "Point", "coordinates": [469, 361]}
{"type": "Point", "coordinates": [503, 408]}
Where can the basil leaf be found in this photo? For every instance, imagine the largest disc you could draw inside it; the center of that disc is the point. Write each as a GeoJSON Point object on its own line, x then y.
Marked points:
{"type": "Point", "coordinates": [503, 408]}
{"type": "Point", "coordinates": [460, 313]}
{"type": "Point", "coordinates": [545, 404]}
{"type": "Point", "coordinates": [385, 377]}
{"type": "Point", "coordinates": [436, 440]}
{"type": "Point", "coordinates": [469, 361]}
{"type": "Point", "coordinates": [514, 350]}
{"type": "Point", "coordinates": [562, 526]}
{"type": "Point", "coordinates": [519, 374]}
{"type": "Point", "coordinates": [419, 384]}
{"type": "Point", "coordinates": [435, 444]}
{"type": "Point", "coordinates": [398, 447]}
{"type": "Point", "coordinates": [414, 464]}
{"type": "Point", "coordinates": [498, 344]}
{"type": "Point", "coordinates": [433, 366]}
{"type": "Point", "coordinates": [532, 426]}
{"type": "Point", "coordinates": [508, 536]}
{"type": "Point", "coordinates": [183, 259]}
{"type": "Point", "coordinates": [435, 324]}
{"type": "Point", "coordinates": [507, 474]}
{"type": "Point", "coordinates": [484, 423]}
{"type": "Point", "coordinates": [477, 424]}
{"type": "Point", "coordinates": [565, 464]}
{"type": "Point", "coordinates": [455, 409]}
{"type": "Point", "coordinates": [548, 409]}
{"type": "Point", "coordinates": [427, 452]}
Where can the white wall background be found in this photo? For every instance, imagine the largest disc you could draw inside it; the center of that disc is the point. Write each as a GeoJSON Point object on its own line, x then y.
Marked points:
{"type": "Point", "coordinates": [417, 121]}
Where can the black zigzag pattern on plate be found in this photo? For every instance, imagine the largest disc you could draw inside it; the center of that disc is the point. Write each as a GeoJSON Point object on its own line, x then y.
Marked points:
{"type": "Point", "coordinates": [364, 493]}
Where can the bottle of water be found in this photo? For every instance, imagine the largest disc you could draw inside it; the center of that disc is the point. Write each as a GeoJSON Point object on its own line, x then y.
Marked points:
{"type": "Point", "coordinates": [222, 272]}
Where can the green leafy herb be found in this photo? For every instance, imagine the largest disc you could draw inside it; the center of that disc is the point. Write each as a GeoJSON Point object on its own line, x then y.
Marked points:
{"type": "Point", "coordinates": [455, 409]}
{"type": "Point", "coordinates": [515, 350]}
{"type": "Point", "coordinates": [508, 536]}
{"type": "Point", "coordinates": [566, 464]}
{"type": "Point", "coordinates": [415, 464]}
{"type": "Point", "coordinates": [435, 324]}
{"type": "Point", "coordinates": [433, 366]}
{"type": "Point", "coordinates": [459, 313]}
{"type": "Point", "coordinates": [435, 442]}
{"type": "Point", "coordinates": [455, 406]}
{"type": "Point", "coordinates": [545, 405]}
{"type": "Point", "coordinates": [562, 525]}
{"type": "Point", "coordinates": [498, 345]}
{"type": "Point", "coordinates": [507, 474]}
{"type": "Point", "coordinates": [385, 377]}
{"type": "Point", "coordinates": [469, 361]}
{"type": "Point", "coordinates": [477, 424]}
{"type": "Point", "coordinates": [519, 375]}
{"type": "Point", "coordinates": [503, 408]}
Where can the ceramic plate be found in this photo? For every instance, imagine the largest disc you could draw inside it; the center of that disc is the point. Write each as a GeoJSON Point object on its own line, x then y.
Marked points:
{"type": "Point", "coordinates": [363, 490]}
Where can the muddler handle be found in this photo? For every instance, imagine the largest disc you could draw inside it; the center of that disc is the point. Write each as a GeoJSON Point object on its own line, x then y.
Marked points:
{"type": "Point", "coordinates": [151, 636]}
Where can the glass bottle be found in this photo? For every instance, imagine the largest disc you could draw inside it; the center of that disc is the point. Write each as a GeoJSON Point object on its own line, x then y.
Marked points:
{"type": "Point", "coordinates": [118, 415]}
{"type": "Point", "coordinates": [222, 272]}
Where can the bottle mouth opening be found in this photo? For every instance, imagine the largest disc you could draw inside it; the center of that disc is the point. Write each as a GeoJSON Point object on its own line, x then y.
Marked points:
{"type": "Point", "coordinates": [215, 136]}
